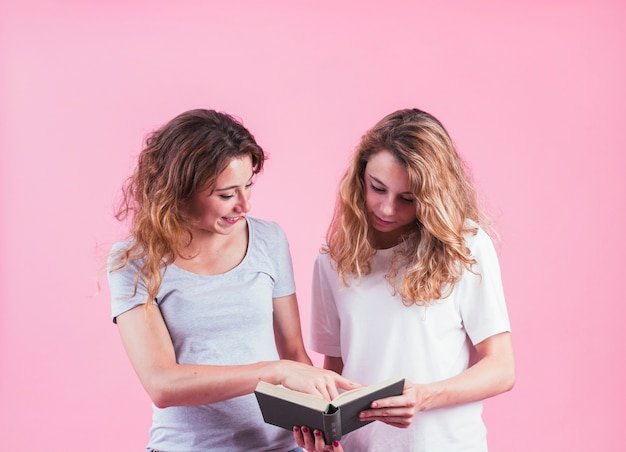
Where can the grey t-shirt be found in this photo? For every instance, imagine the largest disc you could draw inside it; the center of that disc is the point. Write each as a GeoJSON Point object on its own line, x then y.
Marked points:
{"type": "Point", "coordinates": [218, 320]}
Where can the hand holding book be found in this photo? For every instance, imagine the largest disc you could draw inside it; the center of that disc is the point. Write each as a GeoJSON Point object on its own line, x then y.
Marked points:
{"type": "Point", "coordinates": [314, 440]}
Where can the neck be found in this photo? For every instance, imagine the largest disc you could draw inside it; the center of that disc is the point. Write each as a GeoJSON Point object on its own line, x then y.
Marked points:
{"type": "Point", "coordinates": [386, 240]}
{"type": "Point", "coordinates": [211, 254]}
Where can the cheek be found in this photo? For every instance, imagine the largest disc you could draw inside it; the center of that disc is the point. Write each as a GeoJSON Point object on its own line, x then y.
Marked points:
{"type": "Point", "coordinates": [408, 213]}
{"type": "Point", "coordinates": [370, 199]}
{"type": "Point", "coordinates": [203, 210]}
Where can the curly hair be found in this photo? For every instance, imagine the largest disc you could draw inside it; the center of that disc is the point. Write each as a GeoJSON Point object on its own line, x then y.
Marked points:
{"type": "Point", "coordinates": [432, 257]}
{"type": "Point", "coordinates": [179, 159]}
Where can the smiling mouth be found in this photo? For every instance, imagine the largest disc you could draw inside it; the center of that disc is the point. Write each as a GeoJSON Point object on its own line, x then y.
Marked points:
{"type": "Point", "coordinates": [233, 220]}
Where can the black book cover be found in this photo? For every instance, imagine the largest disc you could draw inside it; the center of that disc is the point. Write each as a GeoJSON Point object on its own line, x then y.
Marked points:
{"type": "Point", "coordinates": [286, 408]}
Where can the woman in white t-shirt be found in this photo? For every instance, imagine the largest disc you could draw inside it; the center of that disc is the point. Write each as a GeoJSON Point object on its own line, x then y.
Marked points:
{"type": "Point", "coordinates": [409, 285]}
{"type": "Point", "coordinates": [204, 296]}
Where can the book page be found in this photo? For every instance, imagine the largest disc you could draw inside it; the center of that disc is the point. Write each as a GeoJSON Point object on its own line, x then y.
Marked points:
{"type": "Point", "coordinates": [301, 398]}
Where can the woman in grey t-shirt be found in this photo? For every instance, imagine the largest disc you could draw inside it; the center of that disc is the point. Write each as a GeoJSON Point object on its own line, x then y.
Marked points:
{"type": "Point", "coordinates": [204, 296]}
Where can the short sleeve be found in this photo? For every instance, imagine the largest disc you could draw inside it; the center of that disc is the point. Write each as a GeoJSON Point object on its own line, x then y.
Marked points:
{"type": "Point", "coordinates": [122, 284]}
{"type": "Point", "coordinates": [284, 281]}
{"type": "Point", "coordinates": [269, 253]}
{"type": "Point", "coordinates": [325, 323]}
{"type": "Point", "coordinates": [481, 295]}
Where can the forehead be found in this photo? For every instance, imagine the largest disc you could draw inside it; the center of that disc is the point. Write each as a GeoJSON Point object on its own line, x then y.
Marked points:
{"type": "Point", "coordinates": [236, 169]}
{"type": "Point", "coordinates": [237, 172]}
{"type": "Point", "coordinates": [386, 168]}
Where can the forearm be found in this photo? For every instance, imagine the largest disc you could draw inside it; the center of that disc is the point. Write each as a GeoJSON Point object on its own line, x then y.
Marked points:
{"type": "Point", "coordinates": [487, 378]}
{"type": "Point", "coordinates": [178, 385]}
{"type": "Point", "coordinates": [185, 385]}
{"type": "Point", "coordinates": [334, 363]}
{"type": "Point", "coordinates": [287, 332]}
{"type": "Point", "coordinates": [300, 356]}
{"type": "Point", "coordinates": [493, 374]}
{"type": "Point", "coordinates": [292, 348]}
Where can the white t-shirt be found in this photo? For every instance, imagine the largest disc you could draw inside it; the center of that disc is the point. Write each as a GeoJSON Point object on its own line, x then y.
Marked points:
{"type": "Point", "coordinates": [378, 337]}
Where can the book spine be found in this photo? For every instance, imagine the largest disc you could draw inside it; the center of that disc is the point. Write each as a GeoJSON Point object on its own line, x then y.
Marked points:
{"type": "Point", "coordinates": [332, 426]}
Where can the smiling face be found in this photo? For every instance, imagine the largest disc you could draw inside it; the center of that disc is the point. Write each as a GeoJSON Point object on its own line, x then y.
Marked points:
{"type": "Point", "coordinates": [390, 203]}
{"type": "Point", "coordinates": [218, 209]}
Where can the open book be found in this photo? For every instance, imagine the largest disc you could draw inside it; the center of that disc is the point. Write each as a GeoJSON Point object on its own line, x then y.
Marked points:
{"type": "Point", "coordinates": [287, 408]}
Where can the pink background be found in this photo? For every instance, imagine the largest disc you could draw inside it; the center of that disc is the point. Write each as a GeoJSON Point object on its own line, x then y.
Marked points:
{"type": "Point", "coordinates": [533, 93]}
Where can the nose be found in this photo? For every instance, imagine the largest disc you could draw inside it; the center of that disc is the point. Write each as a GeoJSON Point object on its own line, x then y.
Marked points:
{"type": "Point", "coordinates": [387, 206]}
{"type": "Point", "coordinates": [243, 204]}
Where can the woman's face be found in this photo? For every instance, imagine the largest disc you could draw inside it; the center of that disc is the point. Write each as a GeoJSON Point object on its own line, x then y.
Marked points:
{"type": "Point", "coordinates": [218, 209]}
{"type": "Point", "coordinates": [389, 201]}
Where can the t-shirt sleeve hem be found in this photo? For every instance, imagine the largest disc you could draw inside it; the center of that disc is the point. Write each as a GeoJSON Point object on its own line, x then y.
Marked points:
{"type": "Point", "coordinates": [477, 339]}
{"type": "Point", "coordinates": [327, 350]}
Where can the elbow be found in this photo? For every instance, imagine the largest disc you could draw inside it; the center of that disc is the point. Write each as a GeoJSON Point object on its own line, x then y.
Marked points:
{"type": "Point", "coordinates": [161, 398]}
{"type": "Point", "coordinates": [512, 380]}
{"type": "Point", "coordinates": [509, 380]}
{"type": "Point", "coordinates": [160, 393]}
{"type": "Point", "coordinates": [509, 384]}
{"type": "Point", "coordinates": [503, 379]}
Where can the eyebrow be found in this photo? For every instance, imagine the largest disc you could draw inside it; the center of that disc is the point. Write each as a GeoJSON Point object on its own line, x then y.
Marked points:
{"type": "Point", "coordinates": [375, 179]}
{"type": "Point", "coordinates": [231, 187]}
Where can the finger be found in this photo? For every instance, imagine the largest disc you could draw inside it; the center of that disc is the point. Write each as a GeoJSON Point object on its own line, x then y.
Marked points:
{"type": "Point", "coordinates": [319, 441]}
{"type": "Point", "coordinates": [330, 391]}
{"type": "Point", "coordinates": [391, 402]}
{"type": "Point", "coordinates": [386, 412]}
{"type": "Point", "coordinates": [395, 416]}
{"type": "Point", "coordinates": [401, 421]}
{"type": "Point", "coordinates": [340, 382]}
{"type": "Point", "coordinates": [337, 447]}
{"type": "Point", "coordinates": [309, 442]}
{"type": "Point", "coordinates": [297, 436]}
{"type": "Point", "coordinates": [344, 383]}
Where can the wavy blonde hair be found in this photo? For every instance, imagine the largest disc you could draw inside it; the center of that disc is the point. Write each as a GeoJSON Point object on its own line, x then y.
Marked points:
{"type": "Point", "coordinates": [184, 156]}
{"type": "Point", "coordinates": [432, 258]}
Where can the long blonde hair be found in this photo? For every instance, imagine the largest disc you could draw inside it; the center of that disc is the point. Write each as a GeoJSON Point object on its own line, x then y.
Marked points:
{"type": "Point", "coordinates": [431, 258]}
{"type": "Point", "coordinates": [184, 156]}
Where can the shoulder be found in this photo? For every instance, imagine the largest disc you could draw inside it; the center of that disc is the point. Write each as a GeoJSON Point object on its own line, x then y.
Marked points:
{"type": "Point", "coordinates": [482, 249]}
{"type": "Point", "coordinates": [477, 238]}
{"type": "Point", "coordinates": [121, 246]}
{"type": "Point", "coordinates": [323, 257]}
{"type": "Point", "coordinates": [324, 263]}
{"type": "Point", "coordinates": [117, 252]}
{"type": "Point", "coordinates": [266, 235]}
{"type": "Point", "coordinates": [264, 226]}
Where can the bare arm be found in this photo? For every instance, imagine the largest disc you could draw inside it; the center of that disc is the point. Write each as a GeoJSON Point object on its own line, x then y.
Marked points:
{"type": "Point", "coordinates": [493, 374]}
{"type": "Point", "coordinates": [150, 350]}
{"type": "Point", "coordinates": [287, 330]}
{"type": "Point", "coordinates": [334, 363]}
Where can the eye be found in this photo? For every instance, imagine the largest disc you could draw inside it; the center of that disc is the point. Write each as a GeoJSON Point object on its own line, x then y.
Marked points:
{"type": "Point", "coordinates": [377, 189]}
{"type": "Point", "coordinates": [249, 185]}
{"type": "Point", "coordinates": [407, 200]}
{"type": "Point", "coordinates": [227, 196]}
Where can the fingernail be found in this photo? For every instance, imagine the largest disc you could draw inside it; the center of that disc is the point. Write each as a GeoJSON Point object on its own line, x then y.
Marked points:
{"type": "Point", "coordinates": [305, 429]}
{"type": "Point", "coordinates": [318, 433]}
{"type": "Point", "coordinates": [335, 443]}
